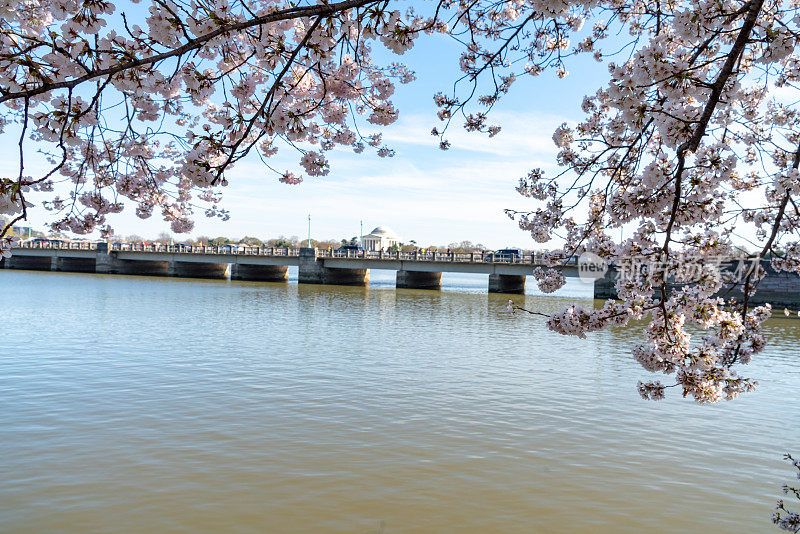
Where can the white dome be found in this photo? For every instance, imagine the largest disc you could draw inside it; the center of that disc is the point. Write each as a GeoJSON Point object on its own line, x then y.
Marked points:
{"type": "Point", "coordinates": [384, 231]}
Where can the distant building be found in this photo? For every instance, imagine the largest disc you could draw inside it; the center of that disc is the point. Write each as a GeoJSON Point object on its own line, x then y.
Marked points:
{"type": "Point", "coordinates": [381, 238]}
{"type": "Point", "coordinates": [22, 231]}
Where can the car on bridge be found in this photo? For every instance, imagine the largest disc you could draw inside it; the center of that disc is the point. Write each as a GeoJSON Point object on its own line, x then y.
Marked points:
{"type": "Point", "coordinates": [507, 254]}
{"type": "Point", "coordinates": [349, 250]}
{"type": "Point", "coordinates": [232, 248]}
{"type": "Point", "coordinates": [45, 242]}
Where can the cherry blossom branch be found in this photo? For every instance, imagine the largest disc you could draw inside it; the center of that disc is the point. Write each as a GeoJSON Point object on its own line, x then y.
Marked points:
{"type": "Point", "coordinates": [194, 44]}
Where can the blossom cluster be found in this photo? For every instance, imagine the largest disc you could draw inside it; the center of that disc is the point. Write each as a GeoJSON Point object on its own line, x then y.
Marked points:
{"type": "Point", "coordinates": [685, 149]}
{"type": "Point", "coordinates": [6, 243]}
{"type": "Point", "coordinates": [549, 280]}
{"type": "Point", "coordinates": [154, 107]}
{"type": "Point", "coordinates": [783, 517]}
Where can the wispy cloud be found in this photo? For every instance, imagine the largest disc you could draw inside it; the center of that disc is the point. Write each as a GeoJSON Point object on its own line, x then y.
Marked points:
{"type": "Point", "coordinates": [521, 135]}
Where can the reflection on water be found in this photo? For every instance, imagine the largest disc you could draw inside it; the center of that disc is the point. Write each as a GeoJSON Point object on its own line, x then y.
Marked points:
{"type": "Point", "coordinates": [133, 404]}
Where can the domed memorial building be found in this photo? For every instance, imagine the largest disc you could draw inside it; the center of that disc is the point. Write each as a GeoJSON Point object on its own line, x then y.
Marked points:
{"type": "Point", "coordinates": [381, 238]}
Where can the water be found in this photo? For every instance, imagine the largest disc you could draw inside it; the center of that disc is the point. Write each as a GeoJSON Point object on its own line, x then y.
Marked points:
{"type": "Point", "coordinates": [131, 404]}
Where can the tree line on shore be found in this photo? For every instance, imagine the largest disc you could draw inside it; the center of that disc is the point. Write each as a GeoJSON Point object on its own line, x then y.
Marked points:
{"type": "Point", "coordinates": [294, 241]}
{"type": "Point", "coordinates": [279, 242]}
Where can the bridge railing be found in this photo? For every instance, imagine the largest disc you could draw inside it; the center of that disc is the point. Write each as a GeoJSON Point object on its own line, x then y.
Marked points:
{"type": "Point", "coordinates": [437, 256]}
{"type": "Point", "coordinates": [56, 245]}
{"type": "Point", "coordinates": [243, 250]}
{"type": "Point", "coordinates": [452, 257]}
{"type": "Point", "coordinates": [205, 249]}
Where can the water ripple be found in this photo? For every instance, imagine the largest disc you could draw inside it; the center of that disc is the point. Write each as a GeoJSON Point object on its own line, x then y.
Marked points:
{"type": "Point", "coordinates": [132, 404]}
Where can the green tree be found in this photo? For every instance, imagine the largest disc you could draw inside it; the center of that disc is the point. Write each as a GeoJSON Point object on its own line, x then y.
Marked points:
{"type": "Point", "coordinates": [281, 242]}
{"type": "Point", "coordinates": [251, 241]}
{"type": "Point", "coordinates": [219, 241]}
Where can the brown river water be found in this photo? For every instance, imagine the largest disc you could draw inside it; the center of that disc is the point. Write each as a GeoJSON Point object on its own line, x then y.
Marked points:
{"type": "Point", "coordinates": [133, 404]}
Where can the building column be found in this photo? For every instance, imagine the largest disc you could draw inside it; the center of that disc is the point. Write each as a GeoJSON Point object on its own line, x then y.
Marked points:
{"type": "Point", "coordinates": [506, 283]}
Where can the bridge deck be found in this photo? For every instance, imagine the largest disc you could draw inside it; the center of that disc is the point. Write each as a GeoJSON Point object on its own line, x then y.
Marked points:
{"type": "Point", "coordinates": [485, 262]}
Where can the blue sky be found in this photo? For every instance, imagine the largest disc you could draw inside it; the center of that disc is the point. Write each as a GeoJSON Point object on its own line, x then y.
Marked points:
{"type": "Point", "coordinates": [423, 193]}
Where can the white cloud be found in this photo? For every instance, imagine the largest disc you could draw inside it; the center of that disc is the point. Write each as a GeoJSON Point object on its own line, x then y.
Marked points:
{"type": "Point", "coordinates": [521, 134]}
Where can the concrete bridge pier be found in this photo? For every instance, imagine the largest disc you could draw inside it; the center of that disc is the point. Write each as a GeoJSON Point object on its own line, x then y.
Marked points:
{"type": "Point", "coordinates": [30, 263]}
{"type": "Point", "coordinates": [73, 265]}
{"type": "Point", "coordinates": [105, 262]}
{"type": "Point", "coordinates": [261, 273]}
{"type": "Point", "coordinates": [346, 277]}
{"type": "Point", "coordinates": [190, 269]}
{"type": "Point", "coordinates": [142, 267]}
{"type": "Point", "coordinates": [418, 280]}
{"type": "Point", "coordinates": [506, 283]}
{"type": "Point", "coordinates": [781, 289]}
{"type": "Point", "coordinates": [312, 270]}
{"type": "Point", "coordinates": [604, 288]}
{"type": "Point", "coordinates": [108, 263]}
